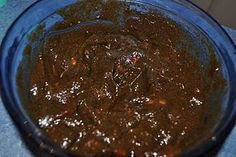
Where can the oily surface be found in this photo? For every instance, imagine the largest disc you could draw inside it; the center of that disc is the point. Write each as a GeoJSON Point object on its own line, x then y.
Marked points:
{"type": "Point", "coordinates": [121, 89]}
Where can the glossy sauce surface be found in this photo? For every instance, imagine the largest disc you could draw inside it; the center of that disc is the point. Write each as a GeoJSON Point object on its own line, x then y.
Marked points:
{"type": "Point", "coordinates": [121, 88]}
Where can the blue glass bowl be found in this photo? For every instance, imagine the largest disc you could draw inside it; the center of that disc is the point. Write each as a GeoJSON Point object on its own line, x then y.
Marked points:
{"type": "Point", "coordinates": [190, 17]}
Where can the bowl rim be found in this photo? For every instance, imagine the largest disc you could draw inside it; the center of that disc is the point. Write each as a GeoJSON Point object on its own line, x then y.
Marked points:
{"type": "Point", "coordinates": [40, 141]}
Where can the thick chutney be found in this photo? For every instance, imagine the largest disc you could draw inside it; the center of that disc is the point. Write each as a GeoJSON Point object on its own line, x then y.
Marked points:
{"type": "Point", "coordinates": [120, 88]}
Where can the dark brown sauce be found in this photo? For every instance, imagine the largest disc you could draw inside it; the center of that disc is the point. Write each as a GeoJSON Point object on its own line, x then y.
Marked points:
{"type": "Point", "coordinates": [120, 89]}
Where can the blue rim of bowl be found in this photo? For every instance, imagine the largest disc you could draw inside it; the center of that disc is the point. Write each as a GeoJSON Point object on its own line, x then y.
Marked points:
{"type": "Point", "coordinates": [27, 128]}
